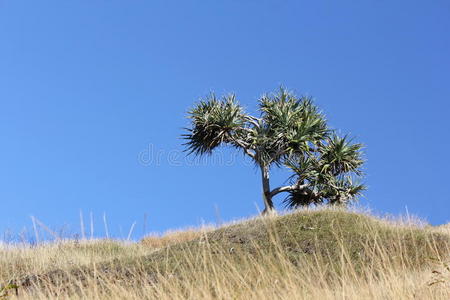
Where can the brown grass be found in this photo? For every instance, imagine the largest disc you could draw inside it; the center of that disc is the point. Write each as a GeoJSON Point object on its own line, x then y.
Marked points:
{"type": "Point", "coordinates": [326, 254]}
{"type": "Point", "coordinates": [443, 228]}
{"type": "Point", "coordinates": [174, 237]}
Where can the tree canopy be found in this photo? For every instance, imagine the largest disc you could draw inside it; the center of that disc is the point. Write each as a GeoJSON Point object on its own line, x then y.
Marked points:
{"type": "Point", "coordinates": [289, 132]}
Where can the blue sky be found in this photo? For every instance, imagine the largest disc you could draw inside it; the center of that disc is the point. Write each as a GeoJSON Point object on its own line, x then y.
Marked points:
{"type": "Point", "coordinates": [94, 94]}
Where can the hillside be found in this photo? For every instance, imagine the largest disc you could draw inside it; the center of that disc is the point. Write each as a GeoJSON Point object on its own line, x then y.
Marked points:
{"type": "Point", "coordinates": [324, 254]}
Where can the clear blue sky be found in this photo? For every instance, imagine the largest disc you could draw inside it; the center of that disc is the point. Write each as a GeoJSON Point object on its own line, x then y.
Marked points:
{"type": "Point", "coordinates": [88, 86]}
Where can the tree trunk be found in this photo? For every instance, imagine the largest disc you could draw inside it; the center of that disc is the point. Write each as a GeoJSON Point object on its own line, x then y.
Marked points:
{"type": "Point", "coordinates": [267, 197]}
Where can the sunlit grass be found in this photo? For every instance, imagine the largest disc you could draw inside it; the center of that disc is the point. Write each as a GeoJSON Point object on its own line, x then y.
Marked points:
{"type": "Point", "coordinates": [317, 254]}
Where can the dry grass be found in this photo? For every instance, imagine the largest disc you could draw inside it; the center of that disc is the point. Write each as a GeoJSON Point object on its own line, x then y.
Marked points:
{"type": "Point", "coordinates": [174, 237]}
{"type": "Point", "coordinates": [443, 228]}
{"type": "Point", "coordinates": [325, 254]}
{"type": "Point", "coordinates": [20, 260]}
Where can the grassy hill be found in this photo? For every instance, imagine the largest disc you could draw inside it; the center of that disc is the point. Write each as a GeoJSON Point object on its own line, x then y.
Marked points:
{"type": "Point", "coordinates": [323, 254]}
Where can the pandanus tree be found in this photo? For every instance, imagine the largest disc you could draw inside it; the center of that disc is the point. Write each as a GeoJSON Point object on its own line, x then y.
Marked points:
{"type": "Point", "coordinates": [289, 132]}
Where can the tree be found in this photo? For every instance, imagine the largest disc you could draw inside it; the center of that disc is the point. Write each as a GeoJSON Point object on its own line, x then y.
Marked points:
{"type": "Point", "coordinates": [290, 132]}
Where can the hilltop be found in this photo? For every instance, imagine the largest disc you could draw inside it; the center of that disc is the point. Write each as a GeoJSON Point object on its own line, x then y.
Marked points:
{"type": "Point", "coordinates": [321, 254]}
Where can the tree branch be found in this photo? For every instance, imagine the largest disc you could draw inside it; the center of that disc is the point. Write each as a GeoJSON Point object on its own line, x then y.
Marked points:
{"type": "Point", "coordinates": [244, 147]}
{"type": "Point", "coordinates": [287, 188]}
